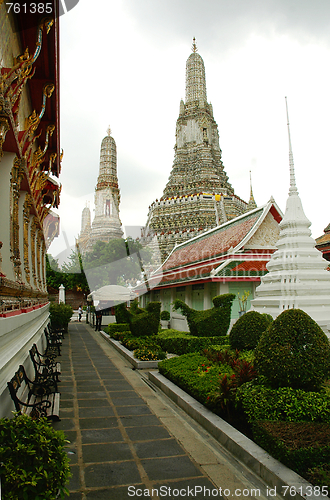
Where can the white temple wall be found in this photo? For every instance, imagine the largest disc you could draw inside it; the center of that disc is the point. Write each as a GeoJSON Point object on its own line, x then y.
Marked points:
{"type": "Point", "coordinates": [17, 335]}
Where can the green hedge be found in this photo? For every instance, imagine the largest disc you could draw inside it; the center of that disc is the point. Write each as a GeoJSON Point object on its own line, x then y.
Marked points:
{"type": "Point", "coordinates": [262, 403]}
{"type": "Point", "coordinates": [212, 322]}
{"type": "Point", "coordinates": [116, 327]}
{"type": "Point", "coordinates": [184, 344]}
{"type": "Point", "coordinates": [194, 374]}
{"type": "Point", "coordinates": [298, 445]}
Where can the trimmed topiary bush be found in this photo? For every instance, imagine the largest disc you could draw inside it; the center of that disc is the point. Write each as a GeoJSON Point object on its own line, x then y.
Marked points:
{"type": "Point", "coordinates": [146, 321]}
{"type": "Point", "coordinates": [247, 330]}
{"type": "Point", "coordinates": [294, 352]}
{"type": "Point", "coordinates": [121, 313]}
{"type": "Point", "coordinates": [165, 316]}
{"type": "Point", "coordinates": [212, 322]}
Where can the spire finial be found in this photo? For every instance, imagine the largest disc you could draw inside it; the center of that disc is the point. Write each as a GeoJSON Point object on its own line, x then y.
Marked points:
{"type": "Point", "coordinates": [252, 204]}
{"type": "Point", "coordinates": [109, 131]}
{"type": "Point", "coordinates": [293, 187]}
{"type": "Point", "coordinates": [194, 46]}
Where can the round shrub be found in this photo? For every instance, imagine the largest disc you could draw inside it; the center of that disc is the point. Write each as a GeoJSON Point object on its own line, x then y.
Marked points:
{"type": "Point", "coordinates": [294, 352]}
{"type": "Point", "coordinates": [247, 330]}
{"type": "Point", "coordinates": [165, 316]}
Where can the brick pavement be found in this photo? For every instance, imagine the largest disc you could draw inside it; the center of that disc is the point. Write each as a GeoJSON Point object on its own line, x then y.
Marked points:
{"type": "Point", "coordinates": [116, 439]}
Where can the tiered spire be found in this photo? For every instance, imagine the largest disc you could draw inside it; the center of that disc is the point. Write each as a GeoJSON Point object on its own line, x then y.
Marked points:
{"type": "Point", "coordinates": [195, 79]}
{"type": "Point", "coordinates": [198, 195]}
{"type": "Point", "coordinates": [297, 275]}
{"type": "Point", "coordinates": [252, 204]}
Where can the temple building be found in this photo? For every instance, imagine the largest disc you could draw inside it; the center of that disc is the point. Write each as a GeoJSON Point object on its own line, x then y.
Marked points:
{"type": "Point", "coordinates": [297, 276]}
{"type": "Point", "coordinates": [230, 258]}
{"type": "Point", "coordinates": [198, 195]}
{"type": "Point", "coordinates": [30, 163]}
{"type": "Point", "coordinates": [323, 243]}
{"type": "Point", "coordinates": [106, 224]}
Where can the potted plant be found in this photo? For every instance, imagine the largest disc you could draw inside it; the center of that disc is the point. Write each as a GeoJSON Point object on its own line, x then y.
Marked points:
{"type": "Point", "coordinates": [242, 301]}
{"type": "Point", "coordinates": [33, 462]}
{"type": "Point", "coordinates": [165, 319]}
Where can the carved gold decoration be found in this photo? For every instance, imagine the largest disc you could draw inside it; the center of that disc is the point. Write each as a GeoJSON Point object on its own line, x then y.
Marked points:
{"type": "Point", "coordinates": [17, 174]}
{"type": "Point", "coordinates": [26, 220]}
{"type": "Point", "coordinates": [4, 127]}
{"type": "Point", "coordinates": [1, 273]}
{"type": "Point", "coordinates": [43, 263]}
{"type": "Point", "coordinates": [39, 154]}
{"type": "Point", "coordinates": [39, 245]}
{"type": "Point", "coordinates": [52, 159]}
{"type": "Point", "coordinates": [33, 120]}
{"type": "Point", "coordinates": [34, 226]}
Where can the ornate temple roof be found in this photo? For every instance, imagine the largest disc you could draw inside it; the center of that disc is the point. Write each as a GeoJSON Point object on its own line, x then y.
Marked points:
{"type": "Point", "coordinates": [236, 250]}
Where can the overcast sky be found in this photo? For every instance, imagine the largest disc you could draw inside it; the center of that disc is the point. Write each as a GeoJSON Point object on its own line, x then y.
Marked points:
{"type": "Point", "coordinates": [123, 65]}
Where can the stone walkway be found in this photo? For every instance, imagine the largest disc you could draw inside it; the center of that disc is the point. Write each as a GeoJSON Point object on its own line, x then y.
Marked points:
{"type": "Point", "coordinates": [125, 438]}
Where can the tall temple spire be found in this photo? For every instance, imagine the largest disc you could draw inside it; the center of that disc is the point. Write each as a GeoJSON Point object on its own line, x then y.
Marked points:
{"type": "Point", "coordinates": [198, 195]}
{"type": "Point", "coordinates": [297, 276]}
{"type": "Point", "coordinates": [106, 224]}
{"type": "Point", "coordinates": [252, 204]}
{"type": "Point", "coordinates": [293, 187]}
{"type": "Point", "coordinates": [195, 79]}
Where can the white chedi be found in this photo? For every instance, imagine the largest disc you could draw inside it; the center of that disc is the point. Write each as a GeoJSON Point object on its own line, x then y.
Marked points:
{"type": "Point", "coordinates": [298, 276]}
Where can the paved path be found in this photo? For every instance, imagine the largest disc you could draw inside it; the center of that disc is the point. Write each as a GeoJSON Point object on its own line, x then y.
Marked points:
{"type": "Point", "coordinates": [126, 437]}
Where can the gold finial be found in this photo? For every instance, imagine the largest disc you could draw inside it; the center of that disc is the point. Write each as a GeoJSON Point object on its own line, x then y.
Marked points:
{"type": "Point", "coordinates": [194, 46]}
{"type": "Point", "coordinates": [109, 131]}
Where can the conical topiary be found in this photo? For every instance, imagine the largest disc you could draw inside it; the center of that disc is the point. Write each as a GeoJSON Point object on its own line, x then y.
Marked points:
{"type": "Point", "coordinates": [294, 352]}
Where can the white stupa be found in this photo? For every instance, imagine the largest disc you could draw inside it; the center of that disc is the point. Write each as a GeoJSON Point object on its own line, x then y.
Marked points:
{"type": "Point", "coordinates": [297, 276]}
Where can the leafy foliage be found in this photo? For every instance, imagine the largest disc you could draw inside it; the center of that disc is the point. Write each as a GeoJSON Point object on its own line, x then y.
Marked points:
{"type": "Point", "coordinates": [115, 262]}
{"type": "Point", "coordinates": [149, 354]}
{"type": "Point", "coordinates": [211, 322]}
{"type": "Point", "coordinates": [183, 344]}
{"type": "Point", "coordinates": [294, 352]}
{"type": "Point", "coordinates": [146, 322]}
{"type": "Point", "coordinates": [165, 316]}
{"type": "Point", "coordinates": [121, 313]}
{"type": "Point", "coordinates": [60, 315]}
{"type": "Point", "coordinates": [297, 445]}
{"type": "Point", "coordinates": [33, 462]}
{"type": "Point", "coordinates": [264, 403]}
{"type": "Point", "coordinates": [247, 330]}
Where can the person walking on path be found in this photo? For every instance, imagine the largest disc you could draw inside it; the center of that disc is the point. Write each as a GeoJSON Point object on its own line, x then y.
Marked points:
{"type": "Point", "coordinates": [98, 320]}
{"type": "Point", "coordinates": [79, 313]}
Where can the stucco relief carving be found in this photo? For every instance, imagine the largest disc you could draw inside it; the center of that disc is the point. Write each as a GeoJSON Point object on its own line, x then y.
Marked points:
{"type": "Point", "coordinates": [267, 234]}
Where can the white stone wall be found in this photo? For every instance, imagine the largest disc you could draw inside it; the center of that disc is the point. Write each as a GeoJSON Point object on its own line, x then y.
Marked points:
{"type": "Point", "coordinates": [17, 335]}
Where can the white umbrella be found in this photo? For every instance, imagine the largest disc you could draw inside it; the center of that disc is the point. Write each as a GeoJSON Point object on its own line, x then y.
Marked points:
{"type": "Point", "coordinates": [113, 292]}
